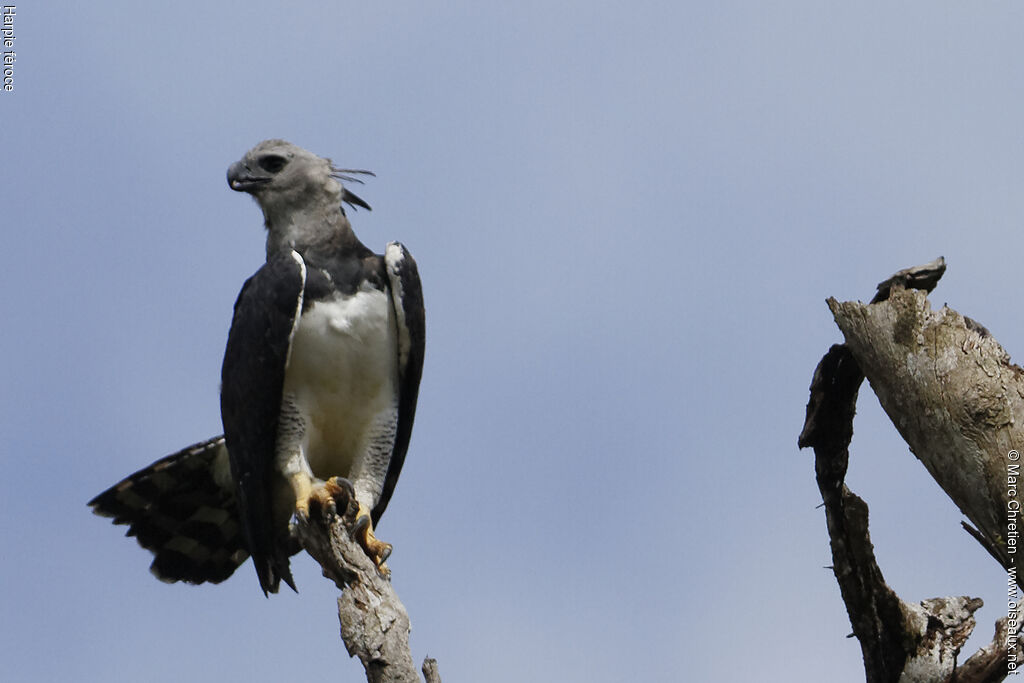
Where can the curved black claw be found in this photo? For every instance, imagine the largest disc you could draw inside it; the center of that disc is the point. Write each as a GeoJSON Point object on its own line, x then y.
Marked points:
{"type": "Point", "coordinates": [342, 493]}
{"type": "Point", "coordinates": [358, 531]}
{"type": "Point", "coordinates": [385, 553]}
{"type": "Point", "coordinates": [317, 508]}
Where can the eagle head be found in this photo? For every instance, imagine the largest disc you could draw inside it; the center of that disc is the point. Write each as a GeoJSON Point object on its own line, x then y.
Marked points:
{"type": "Point", "coordinates": [281, 177]}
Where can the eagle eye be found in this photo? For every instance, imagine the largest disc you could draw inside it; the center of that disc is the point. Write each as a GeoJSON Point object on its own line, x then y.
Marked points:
{"type": "Point", "coordinates": [272, 163]}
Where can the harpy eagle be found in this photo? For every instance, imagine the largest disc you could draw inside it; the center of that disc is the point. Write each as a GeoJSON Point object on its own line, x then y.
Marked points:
{"type": "Point", "coordinates": [318, 389]}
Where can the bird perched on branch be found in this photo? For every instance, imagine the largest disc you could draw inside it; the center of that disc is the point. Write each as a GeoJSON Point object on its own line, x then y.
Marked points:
{"type": "Point", "coordinates": [318, 389]}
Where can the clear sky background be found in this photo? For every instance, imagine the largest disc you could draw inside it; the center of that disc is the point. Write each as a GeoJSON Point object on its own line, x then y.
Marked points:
{"type": "Point", "coordinates": [627, 217]}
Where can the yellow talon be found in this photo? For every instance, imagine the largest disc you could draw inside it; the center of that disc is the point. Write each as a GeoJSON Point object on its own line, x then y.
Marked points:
{"type": "Point", "coordinates": [377, 550]}
{"type": "Point", "coordinates": [323, 497]}
{"type": "Point", "coordinates": [303, 489]}
{"type": "Point", "coordinates": [335, 496]}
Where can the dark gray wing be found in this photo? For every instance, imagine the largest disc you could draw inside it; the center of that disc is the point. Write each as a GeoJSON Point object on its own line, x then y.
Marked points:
{"type": "Point", "coordinates": [407, 299]}
{"type": "Point", "coordinates": [252, 381]}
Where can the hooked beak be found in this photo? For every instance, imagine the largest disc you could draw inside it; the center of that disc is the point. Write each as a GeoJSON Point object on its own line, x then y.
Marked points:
{"type": "Point", "coordinates": [241, 179]}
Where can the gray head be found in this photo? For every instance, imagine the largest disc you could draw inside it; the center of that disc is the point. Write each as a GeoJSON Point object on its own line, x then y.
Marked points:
{"type": "Point", "coordinates": [288, 181]}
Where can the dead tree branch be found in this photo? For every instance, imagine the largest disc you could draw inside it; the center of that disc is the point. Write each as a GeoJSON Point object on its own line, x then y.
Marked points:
{"type": "Point", "coordinates": [900, 641]}
{"type": "Point", "coordinates": [374, 624]}
{"type": "Point", "coordinates": [952, 393]}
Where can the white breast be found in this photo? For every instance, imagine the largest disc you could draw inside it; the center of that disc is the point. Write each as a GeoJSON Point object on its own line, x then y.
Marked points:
{"type": "Point", "coordinates": [342, 376]}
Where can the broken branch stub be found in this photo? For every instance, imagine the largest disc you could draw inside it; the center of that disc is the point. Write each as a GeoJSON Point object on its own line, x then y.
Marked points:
{"type": "Point", "coordinates": [952, 393]}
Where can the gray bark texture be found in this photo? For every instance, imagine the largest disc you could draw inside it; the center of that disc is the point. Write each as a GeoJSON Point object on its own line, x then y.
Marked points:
{"type": "Point", "coordinates": [951, 392]}
{"type": "Point", "coordinates": [374, 624]}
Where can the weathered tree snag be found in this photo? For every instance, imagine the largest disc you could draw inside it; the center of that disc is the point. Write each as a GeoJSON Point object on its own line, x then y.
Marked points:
{"type": "Point", "coordinates": [430, 671]}
{"type": "Point", "coordinates": [374, 624]}
{"type": "Point", "coordinates": [953, 395]}
{"type": "Point", "coordinates": [904, 641]}
{"type": "Point", "coordinates": [989, 664]}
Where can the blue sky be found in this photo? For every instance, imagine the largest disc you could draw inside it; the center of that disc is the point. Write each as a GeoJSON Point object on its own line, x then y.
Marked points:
{"type": "Point", "coordinates": [627, 219]}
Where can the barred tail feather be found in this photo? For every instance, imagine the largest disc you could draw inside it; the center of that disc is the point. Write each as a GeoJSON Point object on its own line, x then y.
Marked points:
{"type": "Point", "coordinates": [176, 509]}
